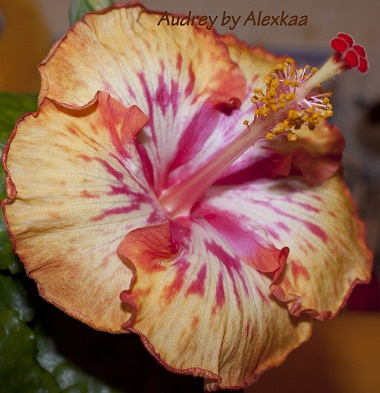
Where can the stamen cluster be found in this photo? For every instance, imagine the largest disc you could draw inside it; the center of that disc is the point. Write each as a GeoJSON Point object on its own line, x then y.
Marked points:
{"type": "Point", "coordinates": [284, 94]}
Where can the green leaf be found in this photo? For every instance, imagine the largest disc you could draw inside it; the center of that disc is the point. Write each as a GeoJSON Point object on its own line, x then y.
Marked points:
{"type": "Point", "coordinates": [19, 371]}
{"type": "Point", "coordinates": [12, 107]}
{"type": "Point", "coordinates": [73, 380]}
{"type": "Point", "coordinates": [13, 296]}
{"type": "Point", "coordinates": [78, 8]}
{"type": "Point", "coordinates": [8, 260]}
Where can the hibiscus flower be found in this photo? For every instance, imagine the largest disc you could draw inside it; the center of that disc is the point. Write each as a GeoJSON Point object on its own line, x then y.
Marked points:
{"type": "Point", "coordinates": [137, 204]}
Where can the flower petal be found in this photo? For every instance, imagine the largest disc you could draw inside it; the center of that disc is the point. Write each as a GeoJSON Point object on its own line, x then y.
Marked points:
{"type": "Point", "coordinates": [77, 187]}
{"type": "Point", "coordinates": [318, 224]}
{"type": "Point", "coordinates": [316, 154]}
{"type": "Point", "coordinates": [126, 51]}
{"type": "Point", "coordinates": [200, 310]}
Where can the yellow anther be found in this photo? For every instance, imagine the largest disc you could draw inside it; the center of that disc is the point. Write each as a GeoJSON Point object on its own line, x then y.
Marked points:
{"type": "Point", "coordinates": [290, 96]}
{"type": "Point", "coordinates": [293, 114]}
{"type": "Point", "coordinates": [274, 108]}
{"type": "Point", "coordinates": [289, 61]}
{"type": "Point", "coordinates": [292, 137]}
{"type": "Point", "coordinates": [245, 122]}
{"type": "Point", "coordinates": [281, 91]}
{"type": "Point", "coordinates": [268, 80]}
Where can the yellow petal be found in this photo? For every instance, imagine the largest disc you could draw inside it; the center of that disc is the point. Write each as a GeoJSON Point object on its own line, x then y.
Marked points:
{"type": "Point", "coordinates": [75, 187]}
{"type": "Point", "coordinates": [182, 79]}
{"type": "Point", "coordinates": [200, 310]}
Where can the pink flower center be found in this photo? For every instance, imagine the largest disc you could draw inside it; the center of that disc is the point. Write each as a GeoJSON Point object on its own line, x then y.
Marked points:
{"type": "Point", "coordinates": [292, 98]}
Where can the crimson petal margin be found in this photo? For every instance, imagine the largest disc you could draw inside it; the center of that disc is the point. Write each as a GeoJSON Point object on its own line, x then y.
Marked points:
{"type": "Point", "coordinates": [75, 187]}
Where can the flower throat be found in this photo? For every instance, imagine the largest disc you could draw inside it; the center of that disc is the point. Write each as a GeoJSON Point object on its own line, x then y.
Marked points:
{"type": "Point", "coordinates": [292, 98]}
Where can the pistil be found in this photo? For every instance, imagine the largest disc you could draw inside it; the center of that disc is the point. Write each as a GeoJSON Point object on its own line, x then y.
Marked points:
{"type": "Point", "coordinates": [292, 98]}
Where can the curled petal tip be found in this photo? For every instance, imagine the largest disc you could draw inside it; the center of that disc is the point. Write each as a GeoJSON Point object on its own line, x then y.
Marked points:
{"type": "Point", "coordinates": [351, 54]}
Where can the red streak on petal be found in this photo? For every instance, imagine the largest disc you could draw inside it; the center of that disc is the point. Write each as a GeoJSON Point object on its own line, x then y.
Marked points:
{"type": "Point", "coordinates": [273, 233]}
{"type": "Point", "coordinates": [175, 96]}
{"type": "Point", "coordinates": [146, 163]}
{"type": "Point", "coordinates": [233, 267]}
{"type": "Point", "coordinates": [194, 322]}
{"type": "Point", "coordinates": [220, 296]}
{"type": "Point", "coordinates": [309, 207]}
{"type": "Point", "coordinates": [72, 131]}
{"type": "Point", "coordinates": [87, 194]}
{"type": "Point", "coordinates": [316, 230]}
{"type": "Point", "coordinates": [190, 86]}
{"type": "Point", "coordinates": [131, 93]}
{"type": "Point", "coordinates": [310, 246]}
{"type": "Point", "coordinates": [133, 196]}
{"type": "Point", "coordinates": [162, 94]}
{"type": "Point", "coordinates": [248, 327]}
{"type": "Point", "coordinates": [121, 190]}
{"type": "Point", "coordinates": [149, 100]}
{"type": "Point", "coordinates": [283, 226]}
{"type": "Point", "coordinates": [197, 287]}
{"type": "Point", "coordinates": [261, 294]}
{"type": "Point", "coordinates": [179, 62]}
{"type": "Point", "coordinates": [110, 170]}
{"type": "Point", "coordinates": [171, 291]}
{"type": "Point", "coordinates": [317, 198]}
{"type": "Point", "coordinates": [115, 211]}
{"type": "Point", "coordinates": [299, 270]}
{"type": "Point", "coordinates": [85, 158]}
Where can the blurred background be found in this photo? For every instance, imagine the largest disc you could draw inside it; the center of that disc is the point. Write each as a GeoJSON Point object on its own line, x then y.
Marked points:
{"type": "Point", "coordinates": [343, 356]}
